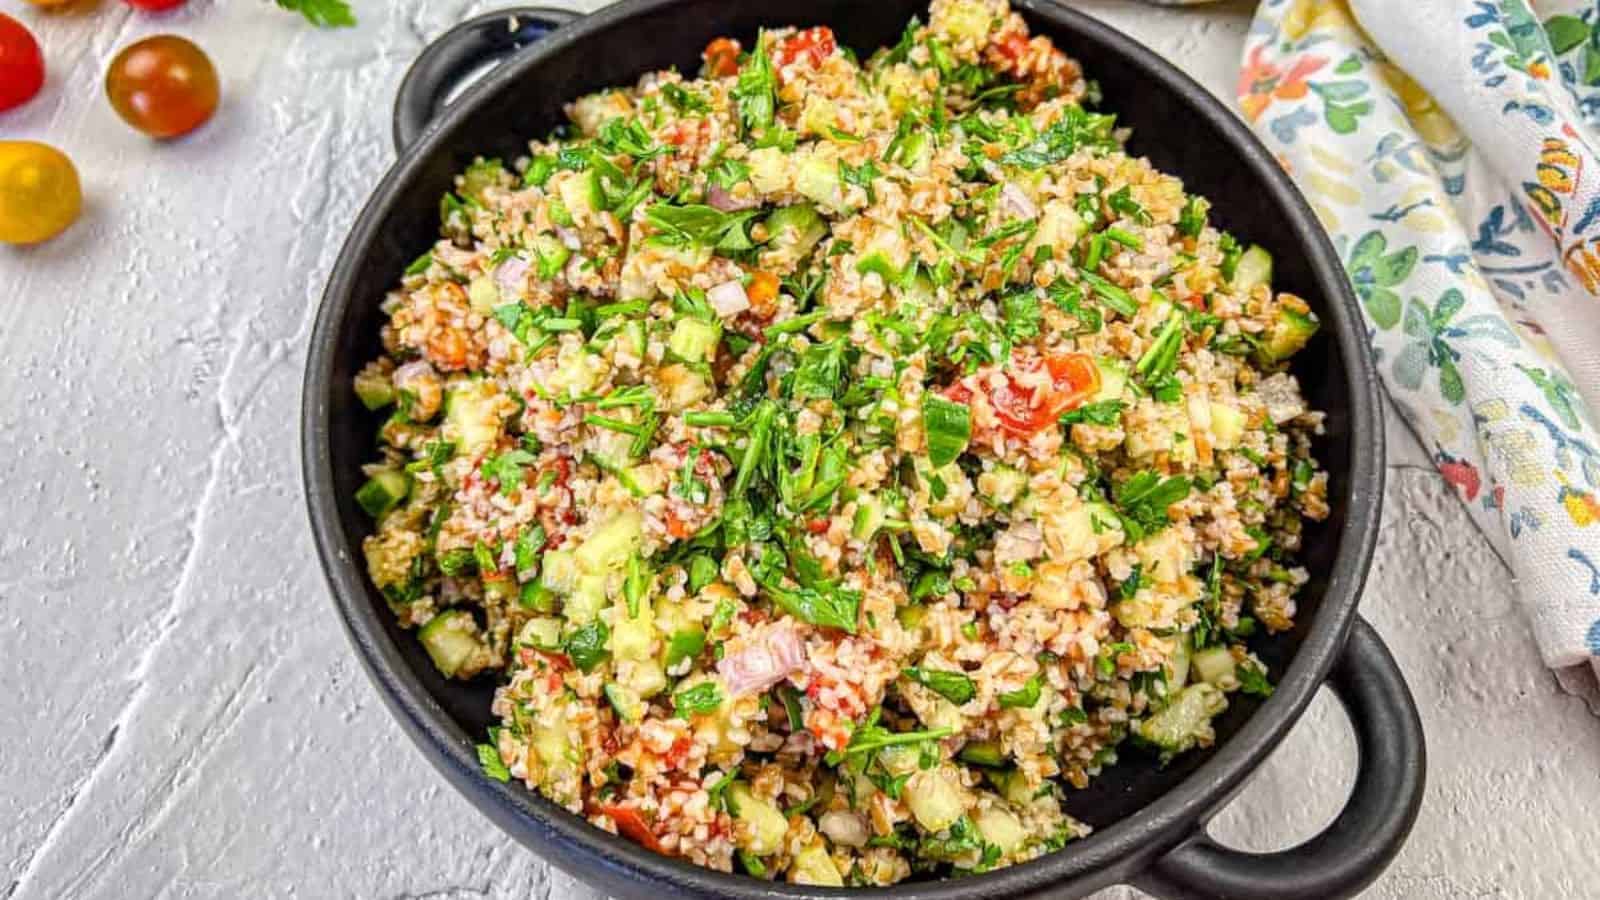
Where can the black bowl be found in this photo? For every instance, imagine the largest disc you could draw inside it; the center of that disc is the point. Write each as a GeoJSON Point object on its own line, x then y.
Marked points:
{"type": "Point", "coordinates": [1149, 821]}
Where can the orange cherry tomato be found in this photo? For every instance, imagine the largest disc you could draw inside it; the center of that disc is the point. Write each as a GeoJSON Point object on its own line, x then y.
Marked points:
{"type": "Point", "coordinates": [631, 825]}
{"type": "Point", "coordinates": [39, 192]}
{"type": "Point", "coordinates": [762, 291]}
{"type": "Point", "coordinates": [164, 86]}
{"type": "Point", "coordinates": [722, 57]}
{"type": "Point", "coordinates": [155, 5]}
{"type": "Point", "coordinates": [815, 44]}
{"type": "Point", "coordinates": [21, 64]}
{"type": "Point", "coordinates": [1025, 409]}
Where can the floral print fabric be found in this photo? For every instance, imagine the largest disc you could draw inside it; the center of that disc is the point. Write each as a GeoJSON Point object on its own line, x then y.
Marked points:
{"type": "Point", "coordinates": [1450, 150]}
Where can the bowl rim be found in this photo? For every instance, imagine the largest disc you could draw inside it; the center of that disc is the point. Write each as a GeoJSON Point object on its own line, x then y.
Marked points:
{"type": "Point", "coordinates": [1111, 854]}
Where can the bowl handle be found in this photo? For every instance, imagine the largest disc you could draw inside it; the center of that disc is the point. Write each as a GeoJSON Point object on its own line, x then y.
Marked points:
{"type": "Point", "coordinates": [1360, 843]}
{"type": "Point", "coordinates": [460, 53]}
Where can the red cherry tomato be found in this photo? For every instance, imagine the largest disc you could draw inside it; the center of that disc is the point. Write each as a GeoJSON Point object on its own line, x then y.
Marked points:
{"type": "Point", "coordinates": [21, 64]}
{"type": "Point", "coordinates": [1025, 409]}
{"type": "Point", "coordinates": [722, 57]}
{"type": "Point", "coordinates": [631, 825]}
{"type": "Point", "coordinates": [816, 44]}
{"type": "Point", "coordinates": [154, 5]}
{"type": "Point", "coordinates": [163, 85]}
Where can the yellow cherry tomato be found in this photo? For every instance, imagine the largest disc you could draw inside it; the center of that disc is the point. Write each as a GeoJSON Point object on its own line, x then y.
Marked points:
{"type": "Point", "coordinates": [39, 192]}
{"type": "Point", "coordinates": [48, 4]}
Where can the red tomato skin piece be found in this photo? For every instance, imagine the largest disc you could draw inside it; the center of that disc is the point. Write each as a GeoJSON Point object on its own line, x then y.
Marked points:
{"type": "Point", "coordinates": [21, 64]}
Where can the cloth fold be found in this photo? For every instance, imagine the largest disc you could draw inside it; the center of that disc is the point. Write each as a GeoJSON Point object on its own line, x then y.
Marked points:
{"type": "Point", "coordinates": [1450, 150]}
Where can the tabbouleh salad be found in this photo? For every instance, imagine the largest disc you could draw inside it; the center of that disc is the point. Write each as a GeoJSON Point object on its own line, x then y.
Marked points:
{"type": "Point", "coordinates": [838, 462]}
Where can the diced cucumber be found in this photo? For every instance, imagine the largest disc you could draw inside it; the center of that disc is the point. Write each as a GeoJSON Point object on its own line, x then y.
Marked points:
{"type": "Point", "coordinates": [1255, 267]}
{"type": "Point", "coordinates": [645, 677]}
{"type": "Point", "coordinates": [983, 753]}
{"type": "Point", "coordinates": [1217, 667]}
{"type": "Point", "coordinates": [963, 20]}
{"type": "Point", "coordinates": [552, 255]}
{"type": "Point", "coordinates": [582, 192]}
{"type": "Point", "coordinates": [481, 175]}
{"type": "Point", "coordinates": [559, 571]}
{"type": "Point", "coordinates": [685, 644]}
{"type": "Point", "coordinates": [769, 169]}
{"type": "Point", "coordinates": [1059, 228]}
{"type": "Point", "coordinates": [818, 116]}
{"type": "Point", "coordinates": [685, 387]}
{"type": "Point", "coordinates": [814, 866]}
{"type": "Point", "coordinates": [870, 516]}
{"type": "Point", "coordinates": [632, 638]}
{"type": "Point", "coordinates": [1227, 426]}
{"type": "Point", "coordinates": [554, 745]}
{"type": "Point", "coordinates": [629, 707]}
{"type": "Point", "coordinates": [798, 226]}
{"type": "Point", "coordinates": [878, 262]}
{"type": "Point", "coordinates": [1002, 486]}
{"type": "Point", "coordinates": [472, 413]}
{"type": "Point", "coordinates": [454, 643]}
{"type": "Point", "coordinates": [634, 337]}
{"type": "Point", "coordinates": [374, 388]}
{"type": "Point", "coordinates": [765, 826]}
{"type": "Point", "coordinates": [611, 545]}
{"type": "Point", "coordinates": [917, 151]}
{"type": "Point", "coordinates": [817, 178]}
{"type": "Point", "coordinates": [1001, 827]}
{"type": "Point", "coordinates": [536, 597]}
{"type": "Point", "coordinates": [694, 340]}
{"type": "Point", "coordinates": [541, 633]}
{"type": "Point", "coordinates": [1013, 785]}
{"type": "Point", "coordinates": [1113, 378]}
{"type": "Point", "coordinates": [935, 800]}
{"type": "Point", "coordinates": [1075, 533]}
{"type": "Point", "coordinates": [920, 291]}
{"type": "Point", "coordinates": [483, 295]}
{"type": "Point", "coordinates": [1185, 720]}
{"type": "Point", "coordinates": [383, 492]}
{"type": "Point", "coordinates": [1179, 663]}
{"type": "Point", "coordinates": [577, 372]}
{"type": "Point", "coordinates": [644, 479]}
{"type": "Point", "coordinates": [586, 600]}
{"type": "Point", "coordinates": [499, 590]}
{"type": "Point", "coordinates": [911, 617]}
{"type": "Point", "coordinates": [902, 86]}
{"type": "Point", "coordinates": [1289, 331]}
{"type": "Point", "coordinates": [900, 759]}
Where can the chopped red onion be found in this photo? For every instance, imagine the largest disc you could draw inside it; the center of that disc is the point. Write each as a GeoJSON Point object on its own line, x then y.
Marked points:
{"type": "Point", "coordinates": [767, 657]}
{"type": "Point", "coordinates": [728, 299]}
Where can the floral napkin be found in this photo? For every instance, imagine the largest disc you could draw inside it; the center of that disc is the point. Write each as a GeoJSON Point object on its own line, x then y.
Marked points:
{"type": "Point", "coordinates": [1449, 148]}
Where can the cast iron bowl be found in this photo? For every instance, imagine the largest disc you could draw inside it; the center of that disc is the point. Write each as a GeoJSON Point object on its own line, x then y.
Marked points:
{"type": "Point", "coordinates": [1149, 822]}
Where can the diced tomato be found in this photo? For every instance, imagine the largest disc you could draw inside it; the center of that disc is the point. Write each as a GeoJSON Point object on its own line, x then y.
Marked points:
{"type": "Point", "coordinates": [817, 526]}
{"type": "Point", "coordinates": [1012, 46]}
{"type": "Point", "coordinates": [1195, 301]}
{"type": "Point", "coordinates": [677, 527]}
{"type": "Point", "coordinates": [1025, 409]}
{"type": "Point", "coordinates": [722, 57]}
{"type": "Point", "coordinates": [679, 751]}
{"type": "Point", "coordinates": [631, 825]}
{"type": "Point", "coordinates": [558, 661]}
{"type": "Point", "coordinates": [816, 44]}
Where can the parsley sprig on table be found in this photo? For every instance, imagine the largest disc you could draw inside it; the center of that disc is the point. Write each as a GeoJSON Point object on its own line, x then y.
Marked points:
{"type": "Point", "coordinates": [322, 13]}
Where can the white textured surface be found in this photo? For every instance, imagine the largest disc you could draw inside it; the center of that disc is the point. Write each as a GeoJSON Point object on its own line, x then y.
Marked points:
{"type": "Point", "coordinates": [183, 716]}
